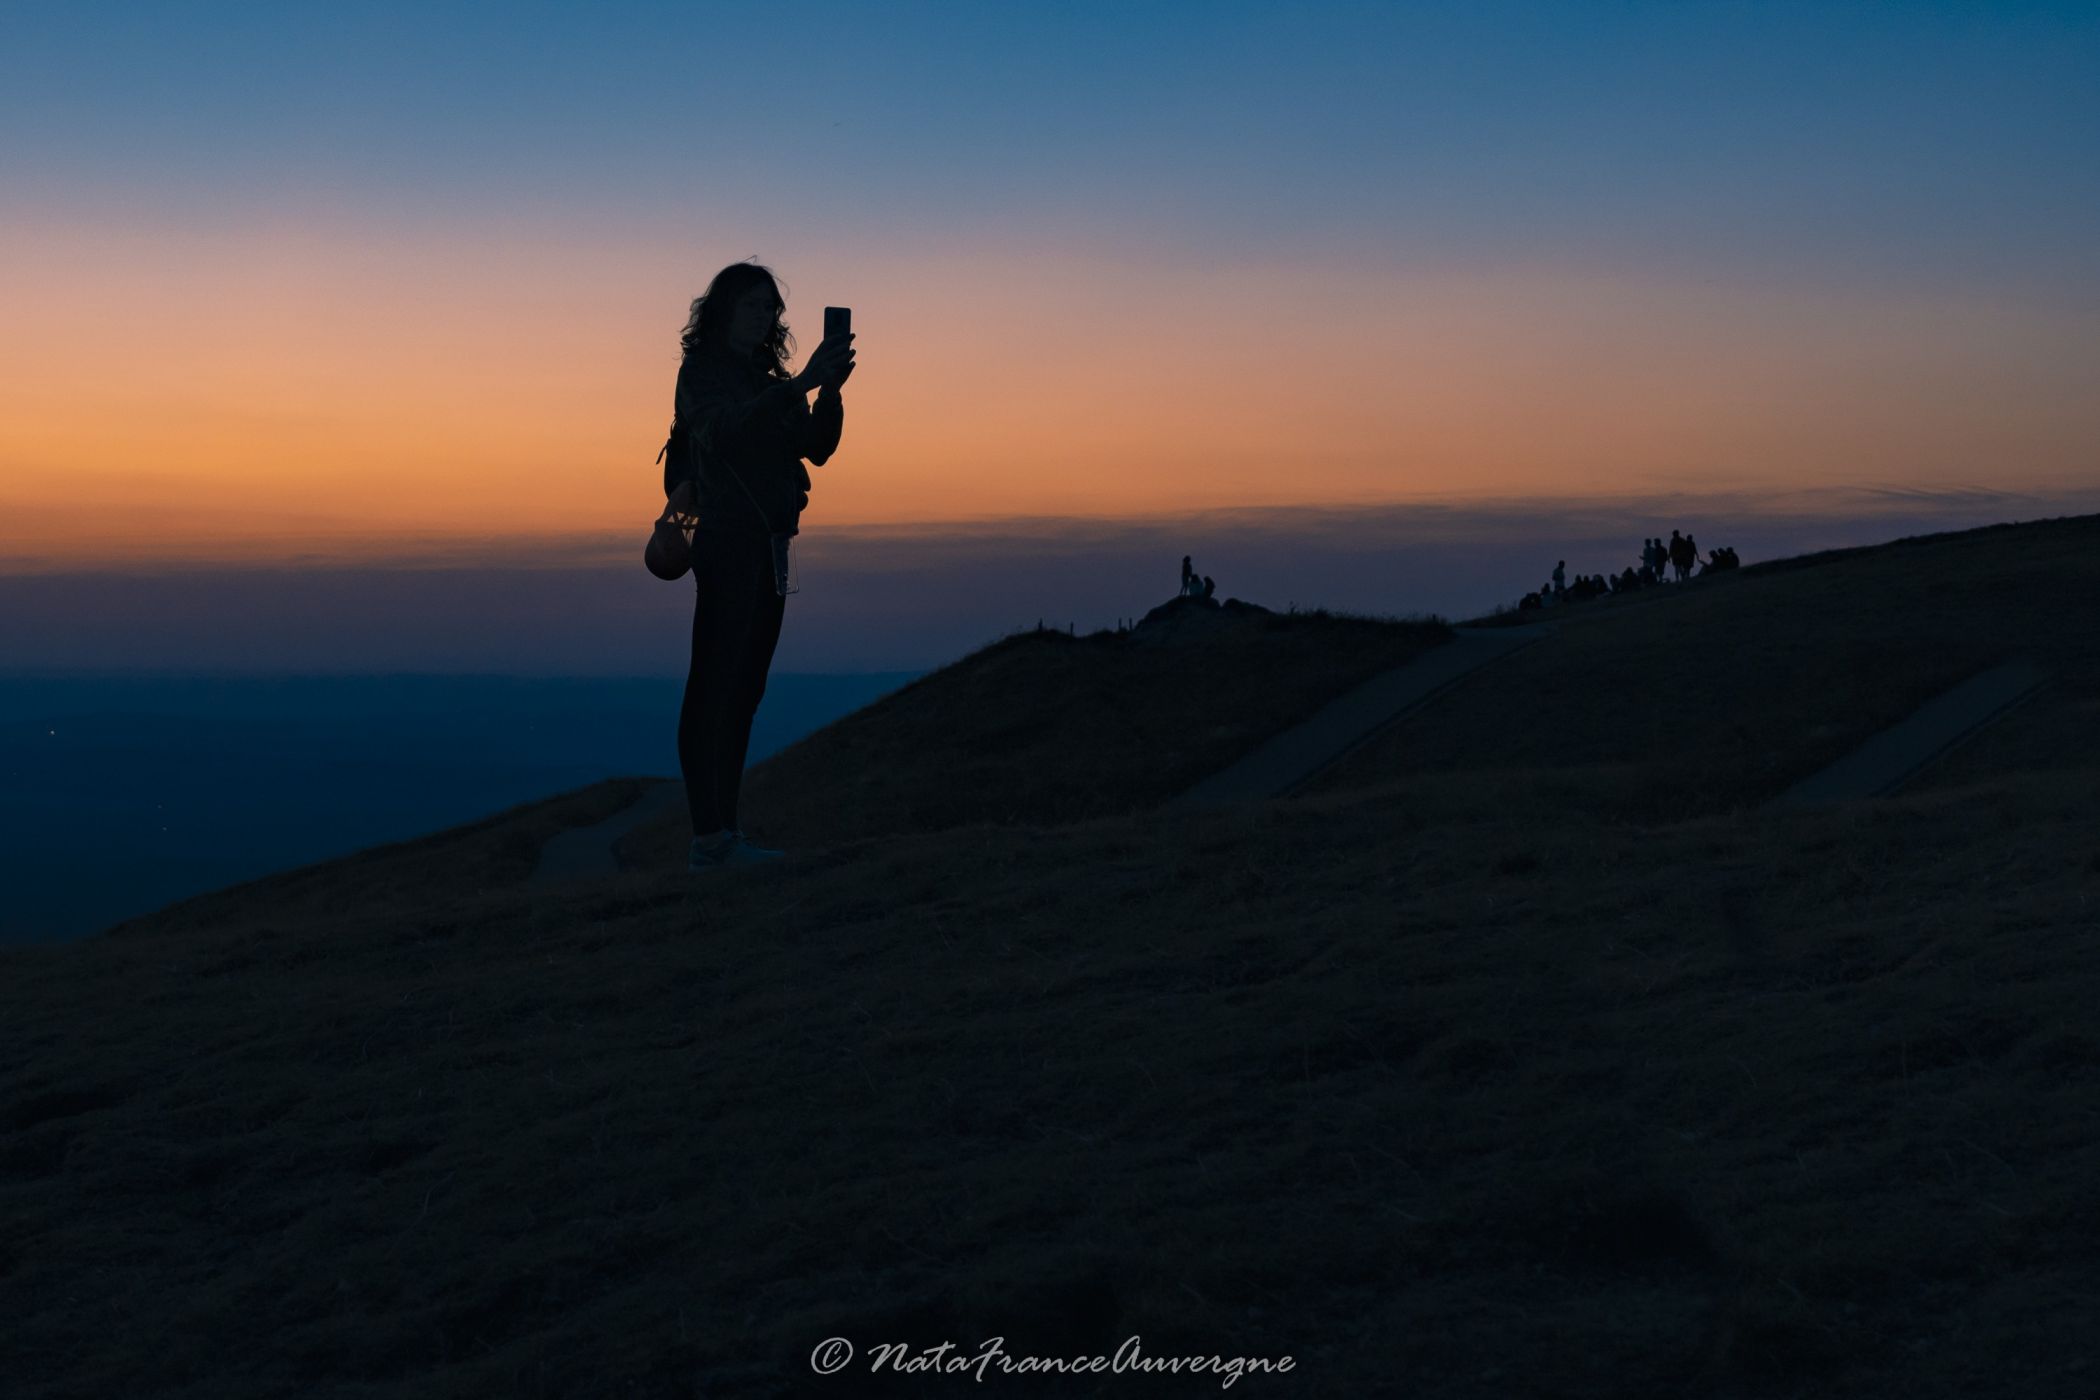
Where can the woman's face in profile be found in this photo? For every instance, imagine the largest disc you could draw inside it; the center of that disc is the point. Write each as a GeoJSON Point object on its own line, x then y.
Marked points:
{"type": "Point", "coordinates": [751, 319]}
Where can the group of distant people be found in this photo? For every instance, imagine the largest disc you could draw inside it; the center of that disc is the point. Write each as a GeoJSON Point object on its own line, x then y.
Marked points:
{"type": "Point", "coordinates": [1680, 554]}
{"type": "Point", "coordinates": [1194, 585]}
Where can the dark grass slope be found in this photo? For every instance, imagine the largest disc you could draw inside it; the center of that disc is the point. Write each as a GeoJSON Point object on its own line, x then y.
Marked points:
{"type": "Point", "coordinates": [1721, 692]}
{"type": "Point", "coordinates": [1440, 1092]}
{"type": "Point", "coordinates": [398, 878]}
{"type": "Point", "coordinates": [1044, 727]}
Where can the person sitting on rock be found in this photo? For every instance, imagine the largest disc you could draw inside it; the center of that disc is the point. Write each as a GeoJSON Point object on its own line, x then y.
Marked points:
{"type": "Point", "coordinates": [1210, 586]}
{"type": "Point", "coordinates": [1530, 602]}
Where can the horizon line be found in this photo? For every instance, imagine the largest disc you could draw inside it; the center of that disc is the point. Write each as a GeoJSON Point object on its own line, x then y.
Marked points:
{"type": "Point", "coordinates": [424, 549]}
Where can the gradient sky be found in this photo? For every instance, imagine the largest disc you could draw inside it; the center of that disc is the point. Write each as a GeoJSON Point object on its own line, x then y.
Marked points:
{"type": "Point", "coordinates": [370, 278]}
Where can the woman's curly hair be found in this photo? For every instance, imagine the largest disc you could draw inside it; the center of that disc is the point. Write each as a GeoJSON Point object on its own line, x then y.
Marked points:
{"type": "Point", "coordinates": [711, 311]}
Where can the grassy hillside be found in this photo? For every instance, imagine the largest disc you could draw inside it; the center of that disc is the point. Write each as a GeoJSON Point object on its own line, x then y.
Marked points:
{"type": "Point", "coordinates": [1484, 1070]}
{"type": "Point", "coordinates": [1663, 704]}
{"type": "Point", "coordinates": [1045, 727]}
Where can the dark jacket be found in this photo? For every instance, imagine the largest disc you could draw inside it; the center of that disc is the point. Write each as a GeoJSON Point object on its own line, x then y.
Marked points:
{"type": "Point", "coordinates": [733, 423]}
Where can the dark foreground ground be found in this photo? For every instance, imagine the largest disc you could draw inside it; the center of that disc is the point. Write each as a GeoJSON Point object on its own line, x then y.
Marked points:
{"type": "Point", "coordinates": [1517, 1074]}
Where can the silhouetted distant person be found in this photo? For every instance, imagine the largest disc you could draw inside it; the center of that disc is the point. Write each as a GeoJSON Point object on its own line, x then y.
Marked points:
{"type": "Point", "coordinates": [742, 428]}
{"type": "Point", "coordinates": [1560, 576]}
{"type": "Point", "coordinates": [1530, 602]}
{"type": "Point", "coordinates": [1652, 556]}
{"type": "Point", "coordinates": [1188, 575]}
{"type": "Point", "coordinates": [1209, 587]}
{"type": "Point", "coordinates": [1691, 554]}
{"type": "Point", "coordinates": [1680, 556]}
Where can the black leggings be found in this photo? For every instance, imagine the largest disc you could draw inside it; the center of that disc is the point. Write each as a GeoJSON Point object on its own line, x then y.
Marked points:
{"type": "Point", "coordinates": [736, 623]}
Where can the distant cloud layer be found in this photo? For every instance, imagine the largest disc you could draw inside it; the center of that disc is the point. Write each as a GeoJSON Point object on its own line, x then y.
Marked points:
{"type": "Point", "coordinates": [880, 598]}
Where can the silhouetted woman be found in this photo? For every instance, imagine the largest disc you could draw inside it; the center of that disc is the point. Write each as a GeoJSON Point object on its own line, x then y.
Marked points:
{"type": "Point", "coordinates": [743, 425]}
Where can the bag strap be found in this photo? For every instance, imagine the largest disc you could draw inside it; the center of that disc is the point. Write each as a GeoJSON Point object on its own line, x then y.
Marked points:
{"type": "Point", "coordinates": [764, 519]}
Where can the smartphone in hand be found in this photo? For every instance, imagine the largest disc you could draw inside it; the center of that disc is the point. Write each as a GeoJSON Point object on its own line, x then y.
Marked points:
{"type": "Point", "coordinates": [838, 320]}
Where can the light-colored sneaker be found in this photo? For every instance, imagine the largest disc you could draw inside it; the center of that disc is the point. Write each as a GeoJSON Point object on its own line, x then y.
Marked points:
{"type": "Point", "coordinates": [728, 848]}
{"type": "Point", "coordinates": [708, 852]}
{"type": "Point", "coordinates": [745, 851]}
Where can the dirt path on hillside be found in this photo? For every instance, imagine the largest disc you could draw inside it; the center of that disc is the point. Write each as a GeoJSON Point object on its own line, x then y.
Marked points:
{"type": "Point", "coordinates": [1288, 760]}
{"type": "Point", "coordinates": [1283, 762]}
{"type": "Point", "coordinates": [587, 851]}
{"type": "Point", "coordinates": [1898, 753]}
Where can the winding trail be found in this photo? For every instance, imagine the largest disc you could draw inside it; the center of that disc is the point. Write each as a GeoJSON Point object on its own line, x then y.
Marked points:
{"type": "Point", "coordinates": [1274, 768]}
{"type": "Point", "coordinates": [1895, 755]}
{"type": "Point", "coordinates": [586, 852]}
{"type": "Point", "coordinates": [1287, 761]}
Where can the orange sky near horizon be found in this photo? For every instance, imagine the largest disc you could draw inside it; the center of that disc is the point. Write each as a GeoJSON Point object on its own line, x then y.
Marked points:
{"type": "Point", "coordinates": [222, 395]}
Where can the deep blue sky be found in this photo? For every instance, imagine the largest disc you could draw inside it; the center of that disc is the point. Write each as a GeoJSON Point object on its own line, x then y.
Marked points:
{"type": "Point", "coordinates": [1827, 136]}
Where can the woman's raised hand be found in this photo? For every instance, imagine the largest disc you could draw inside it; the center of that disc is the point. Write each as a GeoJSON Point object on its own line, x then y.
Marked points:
{"type": "Point", "coordinates": [829, 363]}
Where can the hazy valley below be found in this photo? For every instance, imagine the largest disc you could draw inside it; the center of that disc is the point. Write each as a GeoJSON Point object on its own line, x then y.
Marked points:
{"type": "Point", "coordinates": [119, 794]}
